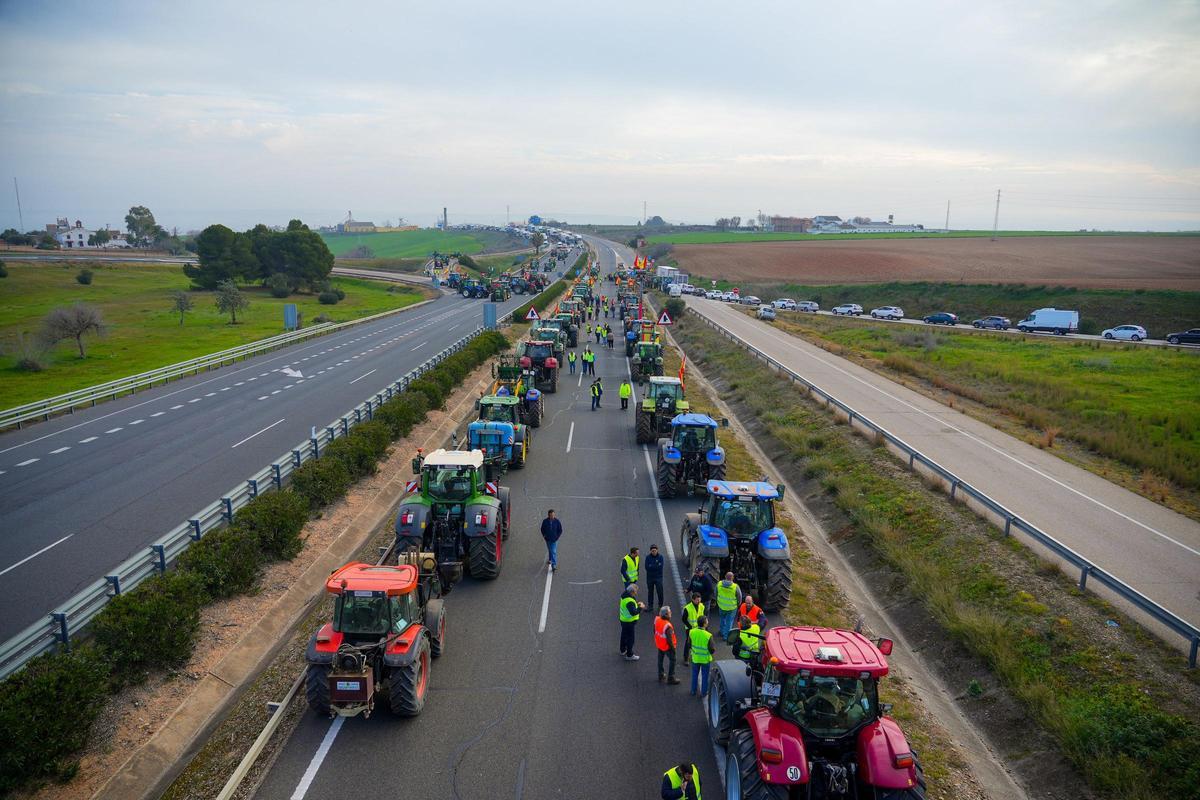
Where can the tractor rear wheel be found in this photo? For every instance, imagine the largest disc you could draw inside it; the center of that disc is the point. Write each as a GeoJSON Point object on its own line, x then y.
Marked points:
{"type": "Point", "coordinates": [645, 428]}
{"type": "Point", "coordinates": [316, 688]}
{"type": "Point", "coordinates": [435, 621]}
{"type": "Point", "coordinates": [913, 793]}
{"type": "Point", "coordinates": [666, 478]}
{"type": "Point", "coordinates": [658, 370]}
{"type": "Point", "coordinates": [779, 584]}
{"type": "Point", "coordinates": [484, 553]}
{"type": "Point", "coordinates": [712, 566]}
{"type": "Point", "coordinates": [553, 388]}
{"type": "Point", "coordinates": [408, 685]}
{"type": "Point", "coordinates": [716, 472]}
{"type": "Point", "coordinates": [535, 415]}
{"type": "Point", "coordinates": [505, 513]}
{"type": "Point", "coordinates": [720, 721]}
{"type": "Point", "coordinates": [741, 772]}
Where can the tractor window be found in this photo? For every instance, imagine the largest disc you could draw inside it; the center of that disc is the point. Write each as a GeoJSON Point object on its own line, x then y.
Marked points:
{"type": "Point", "coordinates": [450, 483]}
{"type": "Point", "coordinates": [362, 614]}
{"type": "Point", "coordinates": [743, 517]}
{"type": "Point", "coordinates": [537, 351]}
{"type": "Point", "coordinates": [692, 439]}
{"type": "Point", "coordinates": [403, 611]}
{"type": "Point", "coordinates": [495, 412]}
{"type": "Point", "coordinates": [827, 706]}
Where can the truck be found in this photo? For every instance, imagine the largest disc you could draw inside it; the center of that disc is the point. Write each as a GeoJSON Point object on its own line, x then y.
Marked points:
{"type": "Point", "coordinates": [1050, 320]}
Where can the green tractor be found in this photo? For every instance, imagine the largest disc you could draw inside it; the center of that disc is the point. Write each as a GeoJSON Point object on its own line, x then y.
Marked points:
{"type": "Point", "coordinates": [647, 361]}
{"type": "Point", "coordinates": [662, 402]}
{"type": "Point", "coordinates": [457, 512]}
{"type": "Point", "coordinates": [568, 325]}
{"type": "Point", "coordinates": [551, 330]}
{"type": "Point", "coordinates": [501, 290]}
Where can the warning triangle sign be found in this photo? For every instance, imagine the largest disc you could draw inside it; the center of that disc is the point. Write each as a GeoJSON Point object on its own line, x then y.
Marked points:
{"type": "Point", "coordinates": [533, 314]}
{"type": "Point", "coordinates": [665, 319]}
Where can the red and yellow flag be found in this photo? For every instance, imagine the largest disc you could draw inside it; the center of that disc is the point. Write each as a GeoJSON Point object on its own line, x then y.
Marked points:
{"type": "Point", "coordinates": [682, 364]}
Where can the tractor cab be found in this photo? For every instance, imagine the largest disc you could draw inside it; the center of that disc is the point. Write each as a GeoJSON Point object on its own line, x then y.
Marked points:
{"type": "Point", "coordinates": [689, 457]}
{"type": "Point", "coordinates": [741, 509]}
{"type": "Point", "coordinates": [499, 408]}
{"type": "Point", "coordinates": [693, 433]}
{"type": "Point", "coordinates": [373, 602]}
{"type": "Point", "coordinates": [500, 433]}
{"type": "Point", "coordinates": [665, 395]}
{"type": "Point", "coordinates": [648, 332]}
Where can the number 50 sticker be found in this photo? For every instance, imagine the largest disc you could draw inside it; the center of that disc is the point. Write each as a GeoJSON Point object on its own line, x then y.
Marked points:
{"type": "Point", "coordinates": [793, 773]}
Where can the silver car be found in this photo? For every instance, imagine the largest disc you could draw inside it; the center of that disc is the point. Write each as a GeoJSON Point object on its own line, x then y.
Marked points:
{"type": "Point", "coordinates": [888, 312]}
{"type": "Point", "coordinates": [766, 312]}
{"type": "Point", "coordinates": [810, 306]}
{"type": "Point", "coordinates": [1131, 333]}
{"type": "Point", "coordinates": [847, 309]}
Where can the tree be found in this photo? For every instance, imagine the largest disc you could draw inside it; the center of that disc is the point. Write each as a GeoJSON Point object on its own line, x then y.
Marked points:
{"type": "Point", "coordinates": [72, 323]}
{"type": "Point", "coordinates": [298, 253]}
{"type": "Point", "coordinates": [99, 238]}
{"type": "Point", "coordinates": [538, 241]}
{"type": "Point", "coordinates": [224, 256]}
{"type": "Point", "coordinates": [182, 302]}
{"type": "Point", "coordinates": [655, 222]}
{"type": "Point", "coordinates": [47, 242]}
{"type": "Point", "coordinates": [735, 222]}
{"type": "Point", "coordinates": [143, 229]}
{"type": "Point", "coordinates": [230, 300]}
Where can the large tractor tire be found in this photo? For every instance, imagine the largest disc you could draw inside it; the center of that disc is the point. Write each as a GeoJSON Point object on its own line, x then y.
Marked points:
{"type": "Point", "coordinates": [645, 428]}
{"type": "Point", "coordinates": [535, 415]}
{"type": "Point", "coordinates": [435, 621]}
{"type": "Point", "coordinates": [505, 512]}
{"type": "Point", "coordinates": [742, 780]}
{"type": "Point", "coordinates": [913, 793]}
{"type": "Point", "coordinates": [688, 542]}
{"type": "Point", "coordinates": [553, 388]}
{"type": "Point", "coordinates": [316, 688]}
{"type": "Point", "coordinates": [658, 370]}
{"type": "Point", "coordinates": [408, 685]}
{"type": "Point", "coordinates": [484, 554]}
{"type": "Point", "coordinates": [720, 717]}
{"type": "Point", "coordinates": [779, 585]}
{"type": "Point", "coordinates": [716, 472]}
{"type": "Point", "coordinates": [666, 474]}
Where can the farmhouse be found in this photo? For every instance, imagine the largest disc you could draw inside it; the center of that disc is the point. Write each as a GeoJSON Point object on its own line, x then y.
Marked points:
{"type": "Point", "coordinates": [75, 237]}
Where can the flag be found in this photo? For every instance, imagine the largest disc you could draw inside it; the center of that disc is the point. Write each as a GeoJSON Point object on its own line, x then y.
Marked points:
{"type": "Point", "coordinates": [682, 364]}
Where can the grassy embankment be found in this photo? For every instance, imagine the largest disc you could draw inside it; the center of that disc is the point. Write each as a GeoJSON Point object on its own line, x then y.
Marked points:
{"type": "Point", "coordinates": [1120, 705]}
{"type": "Point", "coordinates": [420, 243]}
{"type": "Point", "coordinates": [143, 332]}
{"type": "Point", "coordinates": [736, 237]}
{"type": "Point", "coordinates": [1132, 412]}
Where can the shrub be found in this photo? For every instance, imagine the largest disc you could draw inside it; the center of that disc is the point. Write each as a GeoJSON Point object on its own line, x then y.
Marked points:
{"type": "Point", "coordinates": [352, 452]}
{"type": "Point", "coordinates": [152, 626]}
{"type": "Point", "coordinates": [276, 519]}
{"type": "Point", "coordinates": [375, 438]}
{"type": "Point", "coordinates": [228, 560]}
{"type": "Point", "coordinates": [321, 481]}
{"type": "Point", "coordinates": [675, 308]}
{"type": "Point", "coordinates": [322, 317]}
{"type": "Point", "coordinates": [328, 298]}
{"type": "Point", "coordinates": [279, 285]}
{"type": "Point", "coordinates": [3, 270]}
{"type": "Point", "coordinates": [435, 398]}
{"type": "Point", "coordinates": [401, 413]}
{"type": "Point", "coordinates": [46, 714]}
{"type": "Point", "coordinates": [85, 277]}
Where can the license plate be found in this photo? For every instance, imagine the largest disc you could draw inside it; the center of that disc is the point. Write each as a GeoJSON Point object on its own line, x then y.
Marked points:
{"type": "Point", "coordinates": [770, 690]}
{"type": "Point", "coordinates": [348, 686]}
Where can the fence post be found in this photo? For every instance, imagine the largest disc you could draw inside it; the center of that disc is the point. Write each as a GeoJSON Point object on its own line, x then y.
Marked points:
{"type": "Point", "coordinates": [1193, 652]}
{"type": "Point", "coordinates": [1008, 524]}
{"type": "Point", "coordinates": [64, 632]}
{"type": "Point", "coordinates": [1083, 575]}
{"type": "Point", "coordinates": [115, 582]}
{"type": "Point", "coordinates": [953, 488]}
{"type": "Point", "coordinates": [161, 552]}
{"type": "Point", "coordinates": [253, 484]}
{"type": "Point", "coordinates": [227, 505]}
{"type": "Point", "coordinates": [277, 476]}
{"type": "Point", "coordinates": [296, 457]}
{"type": "Point", "coordinates": [195, 523]}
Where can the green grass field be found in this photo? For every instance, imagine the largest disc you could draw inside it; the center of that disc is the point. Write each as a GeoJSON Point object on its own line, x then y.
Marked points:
{"type": "Point", "coordinates": [735, 237]}
{"type": "Point", "coordinates": [418, 244]}
{"type": "Point", "coordinates": [143, 332]}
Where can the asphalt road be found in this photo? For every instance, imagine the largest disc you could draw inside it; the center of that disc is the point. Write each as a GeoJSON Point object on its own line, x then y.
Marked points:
{"type": "Point", "coordinates": [532, 699]}
{"type": "Point", "coordinates": [1146, 545]}
{"type": "Point", "coordinates": [82, 492]}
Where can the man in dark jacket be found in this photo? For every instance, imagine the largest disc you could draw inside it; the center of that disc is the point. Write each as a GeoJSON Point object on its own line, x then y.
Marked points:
{"type": "Point", "coordinates": [654, 577]}
{"type": "Point", "coordinates": [702, 585]}
{"type": "Point", "coordinates": [551, 532]}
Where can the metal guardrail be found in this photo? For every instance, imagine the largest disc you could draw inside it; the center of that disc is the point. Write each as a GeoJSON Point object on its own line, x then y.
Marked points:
{"type": "Point", "coordinates": [1087, 570]}
{"type": "Point", "coordinates": [79, 610]}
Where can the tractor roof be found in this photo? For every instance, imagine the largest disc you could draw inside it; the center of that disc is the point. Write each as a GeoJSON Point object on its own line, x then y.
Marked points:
{"type": "Point", "coordinates": [499, 400]}
{"type": "Point", "coordinates": [694, 421]}
{"type": "Point", "coordinates": [539, 341]}
{"type": "Point", "coordinates": [662, 379]}
{"type": "Point", "coordinates": [454, 458]}
{"type": "Point", "coordinates": [824, 651]}
{"type": "Point", "coordinates": [371, 578]}
{"type": "Point", "coordinates": [750, 490]}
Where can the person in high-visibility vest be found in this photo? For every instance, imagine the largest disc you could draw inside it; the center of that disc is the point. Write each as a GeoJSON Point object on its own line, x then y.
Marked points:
{"type": "Point", "coordinates": [754, 612]}
{"type": "Point", "coordinates": [700, 642]}
{"type": "Point", "coordinates": [666, 643]}
{"type": "Point", "coordinates": [596, 391]}
{"type": "Point", "coordinates": [626, 391]}
{"type": "Point", "coordinates": [629, 610]}
{"type": "Point", "coordinates": [729, 595]}
{"type": "Point", "coordinates": [748, 643]}
{"type": "Point", "coordinates": [692, 612]}
{"type": "Point", "coordinates": [681, 782]}
{"type": "Point", "coordinates": [631, 565]}
{"type": "Point", "coordinates": [571, 360]}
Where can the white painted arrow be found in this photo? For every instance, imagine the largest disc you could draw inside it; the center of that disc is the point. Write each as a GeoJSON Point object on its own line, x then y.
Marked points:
{"type": "Point", "coordinates": [291, 373]}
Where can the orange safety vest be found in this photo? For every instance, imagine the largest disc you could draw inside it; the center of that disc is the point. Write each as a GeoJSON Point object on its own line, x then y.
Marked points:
{"type": "Point", "coordinates": [755, 614]}
{"type": "Point", "coordinates": [664, 634]}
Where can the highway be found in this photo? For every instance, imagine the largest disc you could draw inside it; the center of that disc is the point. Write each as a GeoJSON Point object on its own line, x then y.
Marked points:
{"type": "Point", "coordinates": [532, 699]}
{"type": "Point", "coordinates": [1146, 545]}
{"type": "Point", "coordinates": [82, 492]}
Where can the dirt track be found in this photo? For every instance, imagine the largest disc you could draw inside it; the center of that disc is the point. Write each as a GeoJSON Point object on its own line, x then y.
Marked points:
{"type": "Point", "coordinates": [1113, 262]}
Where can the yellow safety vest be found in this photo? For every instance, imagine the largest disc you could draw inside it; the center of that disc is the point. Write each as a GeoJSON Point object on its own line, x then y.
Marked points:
{"type": "Point", "coordinates": [692, 612]}
{"type": "Point", "coordinates": [727, 596]}
{"type": "Point", "coordinates": [677, 780]}
{"type": "Point", "coordinates": [629, 610]}
{"type": "Point", "coordinates": [595, 390]}
{"type": "Point", "coordinates": [698, 639]}
{"type": "Point", "coordinates": [631, 568]}
{"type": "Point", "coordinates": [750, 643]}
{"type": "Point", "coordinates": [626, 390]}
{"type": "Point", "coordinates": [571, 356]}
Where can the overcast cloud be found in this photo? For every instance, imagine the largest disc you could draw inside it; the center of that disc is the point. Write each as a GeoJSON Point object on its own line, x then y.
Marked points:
{"type": "Point", "coordinates": [1085, 115]}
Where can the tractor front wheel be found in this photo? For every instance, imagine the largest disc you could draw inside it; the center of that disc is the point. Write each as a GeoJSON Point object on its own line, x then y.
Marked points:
{"type": "Point", "coordinates": [408, 685]}
{"type": "Point", "coordinates": [742, 781]}
{"type": "Point", "coordinates": [316, 688]}
{"type": "Point", "coordinates": [916, 792]}
{"type": "Point", "coordinates": [484, 553]}
{"type": "Point", "coordinates": [779, 584]}
{"type": "Point", "coordinates": [645, 428]}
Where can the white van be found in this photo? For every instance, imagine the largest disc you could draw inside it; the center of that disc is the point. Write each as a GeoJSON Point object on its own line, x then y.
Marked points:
{"type": "Point", "coordinates": [675, 290]}
{"type": "Point", "coordinates": [1050, 320]}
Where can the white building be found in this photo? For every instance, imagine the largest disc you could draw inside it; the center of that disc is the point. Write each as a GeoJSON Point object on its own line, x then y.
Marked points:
{"type": "Point", "coordinates": [75, 237]}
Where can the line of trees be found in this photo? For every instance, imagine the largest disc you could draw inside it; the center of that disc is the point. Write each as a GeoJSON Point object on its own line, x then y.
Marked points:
{"type": "Point", "coordinates": [260, 254]}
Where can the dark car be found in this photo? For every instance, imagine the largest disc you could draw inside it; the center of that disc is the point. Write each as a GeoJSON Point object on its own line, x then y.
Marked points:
{"type": "Point", "coordinates": [942, 318]}
{"type": "Point", "coordinates": [1187, 337]}
{"type": "Point", "coordinates": [996, 323]}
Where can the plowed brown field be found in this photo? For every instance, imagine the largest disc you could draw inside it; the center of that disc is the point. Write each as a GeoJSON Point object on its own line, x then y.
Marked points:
{"type": "Point", "coordinates": [1110, 262]}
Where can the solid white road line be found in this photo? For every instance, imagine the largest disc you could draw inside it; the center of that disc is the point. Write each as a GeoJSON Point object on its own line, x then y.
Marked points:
{"type": "Point", "coordinates": [35, 555]}
{"type": "Point", "coordinates": [570, 436]}
{"type": "Point", "coordinates": [546, 600]}
{"type": "Point", "coordinates": [318, 757]}
{"type": "Point", "coordinates": [251, 436]}
{"type": "Point", "coordinates": [360, 377]}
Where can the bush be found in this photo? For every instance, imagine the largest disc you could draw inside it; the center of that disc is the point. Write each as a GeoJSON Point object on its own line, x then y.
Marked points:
{"type": "Point", "coordinates": [322, 317]}
{"type": "Point", "coordinates": [675, 307]}
{"type": "Point", "coordinates": [152, 626]}
{"type": "Point", "coordinates": [321, 481]}
{"type": "Point", "coordinates": [401, 413]}
{"type": "Point", "coordinates": [374, 436]}
{"type": "Point", "coordinates": [85, 277]}
{"type": "Point", "coordinates": [432, 391]}
{"type": "Point", "coordinates": [329, 298]}
{"type": "Point", "coordinates": [3, 270]}
{"type": "Point", "coordinates": [46, 714]}
{"type": "Point", "coordinates": [354, 453]}
{"type": "Point", "coordinates": [228, 560]}
{"type": "Point", "coordinates": [279, 285]}
{"type": "Point", "coordinates": [276, 519]}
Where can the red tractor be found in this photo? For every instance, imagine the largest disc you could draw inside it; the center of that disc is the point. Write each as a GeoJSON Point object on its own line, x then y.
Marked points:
{"type": "Point", "coordinates": [538, 355]}
{"type": "Point", "coordinates": [388, 622]}
{"type": "Point", "coordinates": [802, 719]}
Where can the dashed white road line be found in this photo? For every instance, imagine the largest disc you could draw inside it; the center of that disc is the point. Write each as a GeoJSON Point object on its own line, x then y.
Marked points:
{"type": "Point", "coordinates": [137, 422]}
{"type": "Point", "coordinates": [88, 439]}
{"type": "Point", "coordinates": [176, 408]}
{"type": "Point", "coordinates": [546, 600]}
{"type": "Point", "coordinates": [60, 450]}
{"type": "Point", "coordinates": [113, 430]}
{"type": "Point", "coordinates": [264, 397]}
{"type": "Point", "coordinates": [35, 555]}
{"type": "Point", "coordinates": [422, 344]}
{"type": "Point", "coordinates": [195, 400]}
{"type": "Point", "coordinates": [570, 436]}
{"type": "Point", "coordinates": [264, 430]}
{"type": "Point", "coordinates": [158, 413]}
{"type": "Point", "coordinates": [28, 461]}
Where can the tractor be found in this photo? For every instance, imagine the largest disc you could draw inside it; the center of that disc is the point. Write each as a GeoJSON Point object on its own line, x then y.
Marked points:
{"type": "Point", "coordinates": [499, 433]}
{"type": "Point", "coordinates": [473, 288]}
{"type": "Point", "coordinates": [454, 280]}
{"type": "Point", "coordinates": [551, 330]}
{"type": "Point", "coordinates": [538, 356]}
{"type": "Point", "coordinates": [646, 361]}
{"type": "Point", "coordinates": [581, 291]}
{"type": "Point", "coordinates": [691, 457]}
{"type": "Point", "coordinates": [662, 402]}
{"type": "Point", "coordinates": [735, 531]}
{"type": "Point", "coordinates": [513, 380]}
{"type": "Point", "coordinates": [501, 290]}
{"type": "Point", "coordinates": [568, 325]}
{"type": "Point", "coordinates": [388, 622]}
{"type": "Point", "coordinates": [802, 718]}
{"type": "Point", "coordinates": [457, 512]}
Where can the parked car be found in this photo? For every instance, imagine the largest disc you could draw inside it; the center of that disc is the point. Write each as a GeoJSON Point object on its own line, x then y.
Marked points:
{"type": "Point", "coordinates": [713, 295]}
{"type": "Point", "coordinates": [995, 323]}
{"type": "Point", "coordinates": [887, 312]}
{"type": "Point", "coordinates": [750, 300]}
{"type": "Point", "coordinates": [1187, 337]}
{"type": "Point", "coordinates": [766, 312]}
{"type": "Point", "coordinates": [729, 297]}
{"type": "Point", "coordinates": [1133, 333]}
{"type": "Point", "coordinates": [786, 304]}
{"type": "Point", "coordinates": [1050, 320]}
{"type": "Point", "coordinates": [848, 309]}
{"type": "Point", "coordinates": [942, 318]}
{"type": "Point", "coordinates": [810, 306]}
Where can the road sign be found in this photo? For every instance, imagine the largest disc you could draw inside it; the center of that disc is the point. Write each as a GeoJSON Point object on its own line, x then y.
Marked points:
{"type": "Point", "coordinates": [533, 314]}
{"type": "Point", "coordinates": [665, 319]}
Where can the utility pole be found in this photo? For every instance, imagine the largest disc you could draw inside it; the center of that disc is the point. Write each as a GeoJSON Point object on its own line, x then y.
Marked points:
{"type": "Point", "coordinates": [947, 216]}
{"type": "Point", "coordinates": [643, 212]}
{"type": "Point", "coordinates": [996, 220]}
{"type": "Point", "coordinates": [507, 216]}
{"type": "Point", "coordinates": [20, 214]}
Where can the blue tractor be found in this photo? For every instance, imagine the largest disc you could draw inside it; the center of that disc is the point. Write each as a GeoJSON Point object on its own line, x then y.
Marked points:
{"type": "Point", "coordinates": [690, 457]}
{"type": "Point", "coordinates": [500, 434]}
{"type": "Point", "coordinates": [734, 531]}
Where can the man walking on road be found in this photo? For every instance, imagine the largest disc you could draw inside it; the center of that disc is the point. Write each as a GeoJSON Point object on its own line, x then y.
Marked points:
{"type": "Point", "coordinates": [700, 642]}
{"type": "Point", "coordinates": [597, 390]}
{"type": "Point", "coordinates": [629, 611]}
{"type": "Point", "coordinates": [571, 360]}
{"type": "Point", "coordinates": [681, 782]}
{"type": "Point", "coordinates": [692, 613]}
{"type": "Point", "coordinates": [626, 392]}
{"type": "Point", "coordinates": [608, 335]}
{"type": "Point", "coordinates": [702, 585]}
{"type": "Point", "coordinates": [630, 565]}
{"type": "Point", "coordinates": [654, 576]}
{"type": "Point", "coordinates": [665, 642]}
{"type": "Point", "coordinates": [729, 594]}
{"type": "Point", "coordinates": [551, 532]}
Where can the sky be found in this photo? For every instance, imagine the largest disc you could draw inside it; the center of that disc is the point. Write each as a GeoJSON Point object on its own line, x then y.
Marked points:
{"type": "Point", "coordinates": [1082, 115]}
